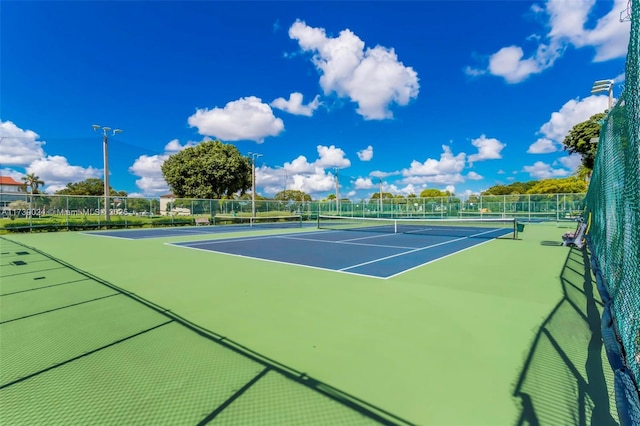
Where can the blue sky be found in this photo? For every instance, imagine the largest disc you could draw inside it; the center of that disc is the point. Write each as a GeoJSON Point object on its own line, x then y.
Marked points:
{"type": "Point", "coordinates": [457, 95]}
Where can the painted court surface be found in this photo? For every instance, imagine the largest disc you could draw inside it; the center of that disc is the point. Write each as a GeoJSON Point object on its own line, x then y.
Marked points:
{"type": "Point", "coordinates": [372, 254]}
{"type": "Point", "coordinates": [246, 329]}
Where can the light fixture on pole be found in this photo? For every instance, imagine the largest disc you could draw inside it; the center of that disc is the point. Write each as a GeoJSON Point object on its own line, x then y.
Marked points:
{"type": "Point", "coordinates": [604, 86]}
{"type": "Point", "coordinates": [253, 156]}
{"type": "Point", "coordinates": [105, 132]}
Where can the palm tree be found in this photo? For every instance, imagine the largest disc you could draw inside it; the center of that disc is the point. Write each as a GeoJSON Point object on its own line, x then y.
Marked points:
{"type": "Point", "coordinates": [32, 181]}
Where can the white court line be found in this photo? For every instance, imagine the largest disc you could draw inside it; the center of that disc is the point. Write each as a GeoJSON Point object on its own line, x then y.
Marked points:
{"type": "Point", "coordinates": [345, 242]}
{"type": "Point", "coordinates": [227, 239]}
{"type": "Point", "coordinates": [108, 236]}
{"type": "Point", "coordinates": [279, 262]}
{"type": "Point", "coordinates": [415, 250]}
{"type": "Point", "coordinates": [439, 258]}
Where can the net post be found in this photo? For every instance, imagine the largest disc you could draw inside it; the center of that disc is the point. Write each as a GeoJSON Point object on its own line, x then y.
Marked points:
{"type": "Point", "coordinates": [515, 228]}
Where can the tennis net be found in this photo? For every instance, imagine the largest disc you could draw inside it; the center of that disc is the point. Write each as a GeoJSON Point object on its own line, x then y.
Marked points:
{"type": "Point", "coordinates": [469, 228]}
{"type": "Point", "coordinates": [290, 221]}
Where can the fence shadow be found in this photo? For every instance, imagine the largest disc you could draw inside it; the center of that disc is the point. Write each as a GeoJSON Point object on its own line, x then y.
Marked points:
{"type": "Point", "coordinates": [563, 380]}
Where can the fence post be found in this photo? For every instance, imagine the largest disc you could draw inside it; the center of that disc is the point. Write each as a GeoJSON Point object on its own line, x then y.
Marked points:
{"type": "Point", "coordinates": [504, 206]}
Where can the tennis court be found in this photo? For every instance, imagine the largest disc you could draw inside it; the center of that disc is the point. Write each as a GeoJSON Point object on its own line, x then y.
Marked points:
{"type": "Point", "coordinates": [147, 332]}
{"type": "Point", "coordinates": [381, 248]}
{"type": "Point", "coordinates": [229, 224]}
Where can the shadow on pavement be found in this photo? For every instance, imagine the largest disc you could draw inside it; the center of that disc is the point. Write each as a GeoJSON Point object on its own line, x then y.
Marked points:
{"type": "Point", "coordinates": [563, 380]}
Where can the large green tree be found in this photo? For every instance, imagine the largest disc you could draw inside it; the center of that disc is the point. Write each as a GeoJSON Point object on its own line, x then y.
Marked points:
{"type": "Point", "coordinates": [579, 139]}
{"type": "Point", "coordinates": [293, 195]}
{"type": "Point", "coordinates": [384, 196]}
{"type": "Point", "coordinates": [512, 188]}
{"type": "Point", "coordinates": [568, 185]}
{"type": "Point", "coordinates": [90, 186]}
{"type": "Point", "coordinates": [210, 170]}
{"type": "Point", "coordinates": [432, 192]}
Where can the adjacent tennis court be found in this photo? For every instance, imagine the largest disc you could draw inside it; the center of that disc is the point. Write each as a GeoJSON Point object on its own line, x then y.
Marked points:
{"type": "Point", "coordinates": [381, 248]}
{"type": "Point", "coordinates": [217, 225]}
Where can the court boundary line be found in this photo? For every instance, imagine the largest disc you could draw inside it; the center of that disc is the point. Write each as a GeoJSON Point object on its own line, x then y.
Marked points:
{"type": "Point", "coordinates": [281, 262]}
{"type": "Point", "coordinates": [418, 249]}
{"type": "Point", "coordinates": [442, 257]}
{"type": "Point", "coordinates": [242, 238]}
{"type": "Point", "coordinates": [185, 231]}
{"type": "Point", "coordinates": [109, 236]}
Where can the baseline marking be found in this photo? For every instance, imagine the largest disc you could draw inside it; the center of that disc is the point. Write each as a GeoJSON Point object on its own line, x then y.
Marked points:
{"type": "Point", "coordinates": [281, 262]}
{"type": "Point", "coordinates": [439, 258]}
{"type": "Point", "coordinates": [416, 250]}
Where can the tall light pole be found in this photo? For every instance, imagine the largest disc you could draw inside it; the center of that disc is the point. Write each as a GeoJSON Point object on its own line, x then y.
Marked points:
{"type": "Point", "coordinates": [602, 86]}
{"type": "Point", "coordinates": [286, 178]}
{"type": "Point", "coordinates": [253, 156]}
{"type": "Point", "coordinates": [105, 150]}
{"type": "Point", "coordinates": [380, 200]}
{"type": "Point", "coordinates": [335, 169]}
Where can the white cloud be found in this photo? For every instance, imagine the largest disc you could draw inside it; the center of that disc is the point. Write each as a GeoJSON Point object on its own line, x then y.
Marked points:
{"type": "Point", "coordinates": [302, 175]}
{"type": "Point", "coordinates": [300, 165]}
{"type": "Point", "coordinates": [313, 183]}
{"type": "Point", "coordinates": [19, 147]}
{"type": "Point", "coordinates": [609, 37]}
{"type": "Point", "coordinates": [542, 146]}
{"type": "Point", "coordinates": [245, 119]}
{"type": "Point", "coordinates": [272, 180]}
{"type": "Point", "coordinates": [148, 169]}
{"type": "Point", "coordinates": [571, 162]}
{"type": "Point", "coordinates": [364, 183]}
{"type": "Point", "coordinates": [541, 170]}
{"type": "Point", "coordinates": [509, 64]}
{"type": "Point", "coordinates": [374, 78]}
{"type": "Point", "coordinates": [561, 122]}
{"type": "Point", "coordinates": [56, 172]}
{"type": "Point", "coordinates": [382, 175]}
{"type": "Point", "coordinates": [411, 189]}
{"type": "Point", "coordinates": [488, 149]}
{"type": "Point", "coordinates": [294, 104]}
{"type": "Point", "coordinates": [474, 176]}
{"type": "Point", "coordinates": [448, 164]}
{"type": "Point", "coordinates": [330, 156]}
{"type": "Point", "coordinates": [572, 113]}
{"type": "Point", "coordinates": [566, 21]}
{"type": "Point", "coordinates": [366, 154]}
{"type": "Point", "coordinates": [443, 179]}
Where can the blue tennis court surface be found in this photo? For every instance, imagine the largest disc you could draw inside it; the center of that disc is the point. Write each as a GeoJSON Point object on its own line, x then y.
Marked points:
{"type": "Point", "coordinates": [374, 254]}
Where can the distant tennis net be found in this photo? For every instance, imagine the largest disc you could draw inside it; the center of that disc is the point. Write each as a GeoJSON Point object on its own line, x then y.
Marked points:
{"type": "Point", "coordinates": [470, 228]}
{"type": "Point", "coordinates": [289, 221]}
